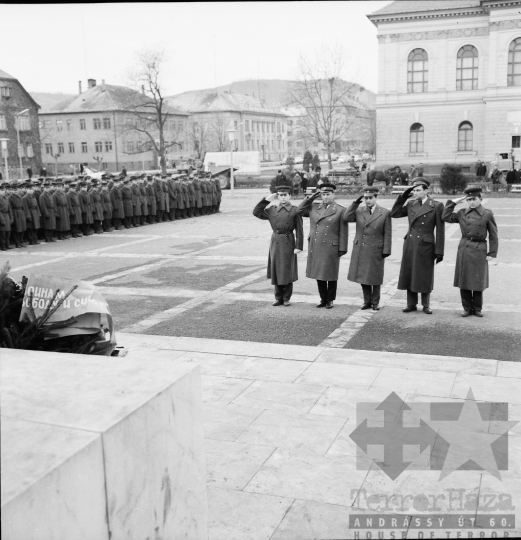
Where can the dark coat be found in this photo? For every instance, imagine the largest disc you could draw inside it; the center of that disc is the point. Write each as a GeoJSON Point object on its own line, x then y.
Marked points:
{"type": "Point", "coordinates": [172, 193]}
{"type": "Point", "coordinates": [6, 214]}
{"type": "Point", "coordinates": [282, 260]}
{"type": "Point", "coordinates": [75, 207]}
{"type": "Point", "coordinates": [511, 177]}
{"type": "Point", "coordinates": [118, 211]}
{"type": "Point", "coordinates": [48, 211]}
{"type": "Point", "coordinates": [97, 208]}
{"type": "Point", "coordinates": [421, 244]}
{"type": "Point", "coordinates": [191, 194]}
{"type": "Point", "coordinates": [214, 193]}
{"type": "Point", "coordinates": [160, 196]}
{"type": "Point", "coordinates": [126, 196]}
{"type": "Point", "coordinates": [327, 240]}
{"type": "Point", "coordinates": [198, 195]}
{"type": "Point", "coordinates": [63, 222]}
{"type": "Point", "coordinates": [144, 199]}
{"type": "Point", "coordinates": [373, 239]}
{"type": "Point", "coordinates": [136, 200]}
{"type": "Point", "coordinates": [107, 204]}
{"type": "Point", "coordinates": [86, 208]}
{"type": "Point", "coordinates": [219, 191]}
{"type": "Point", "coordinates": [152, 203]}
{"type": "Point", "coordinates": [166, 195]}
{"type": "Point", "coordinates": [17, 208]}
{"type": "Point", "coordinates": [471, 262]}
{"type": "Point", "coordinates": [186, 195]}
{"type": "Point", "coordinates": [31, 210]}
{"type": "Point", "coordinates": [204, 193]}
{"type": "Point", "coordinates": [180, 198]}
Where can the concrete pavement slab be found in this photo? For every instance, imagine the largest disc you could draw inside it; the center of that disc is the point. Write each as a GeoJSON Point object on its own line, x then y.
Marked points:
{"type": "Point", "coordinates": [226, 422]}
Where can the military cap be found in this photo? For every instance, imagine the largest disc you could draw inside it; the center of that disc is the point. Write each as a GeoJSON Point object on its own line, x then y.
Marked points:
{"type": "Point", "coordinates": [47, 182]}
{"type": "Point", "coordinates": [94, 182]}
{"type": "Point", "coordinates": [126, 180]}
{"type": "Point", "coordinates": [326, 186]}
{"type": "Point", "coordinates": [4, 185]}
{"type": "Point", "coordinates": [73, 183]}
{"type": "Point", "coordinates": [283, 189]}
{"type": "Point", "coordinates": [104, 182]}
{"type": "Point", "coordinates": [83, 183]}
{"type": "Point", "coordinates": [471, 191]}
{"type": "Point", "coordinates": [58, 182]}
{"type": "Point", "coordinates": [13, 184]}
{"type": "Point", "coordinates": [421, 182]}
{"type": "Point", "coordinates": [371, 189]}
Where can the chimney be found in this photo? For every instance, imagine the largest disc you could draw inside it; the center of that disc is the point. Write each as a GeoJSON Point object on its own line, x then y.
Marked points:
{"type": "Point", "coordinates": [79, 86]}
{"type": "Point", "coordinates": [91, 83]}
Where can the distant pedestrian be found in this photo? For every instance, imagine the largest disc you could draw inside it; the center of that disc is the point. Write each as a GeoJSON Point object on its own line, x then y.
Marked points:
{"type": "Point", "coordinates": [494, 175]}
{"type": "Point", "coordinates": [511, 178]}
{"type": "Point", "coordinates": [481, 169]}
{"type": "Point", "coordinates": [420, 169]}
{"type": "Point", "coordinates": [413, 172]}
{"type": "Point", "coordinates": [29, 172]}
{"type": "Point", "coordinates": [43, 172]}
{"type": "Point", "coordinates": [123, 172]}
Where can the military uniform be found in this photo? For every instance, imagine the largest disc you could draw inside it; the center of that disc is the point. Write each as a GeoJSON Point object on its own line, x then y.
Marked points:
{"type": "Point", "coordinates": [126, 196]}
{"type": "Point", "coordinates": [6, 219]}
{"type": "Point", "coordinates": [118, 211]}
{"type": "Point", "coordinates": [48, 211]}
{"type": "Point", "coordinates": [19, 224]}
{"type": "Point", "coordinates": [97, 208]}
{"type": "Point", "coordinates": [219, 194]}
{"type": "Point", "coordinates": [106, 203]}
{"type": "Point", "coordinates": [86, 210]}
{"type": "Point", "coordinates": [136, 204]}
{"type": "Point", "coordinates": [172, 197]}
{"type": "Point", "coordinates": [144, 202]}
{"type": "Point", "coordinates": [424, 244]}
{"type": "Point", "coordinates": [75, 209]}
{"type": "Point", "coordinates": [327, 242]}
{"type": "Point", "coordinates": [63, 211]}
{"type": "Point", "coordinates": [288, 235]}
{"type": "Point", "coordinates": [471, 274]}
{"type": "Point", "coordinates": [152, 202]}
{"type": "Point", "coordinates": [32, 215]}
{"type": "Point", "coordinates": [371, 245]}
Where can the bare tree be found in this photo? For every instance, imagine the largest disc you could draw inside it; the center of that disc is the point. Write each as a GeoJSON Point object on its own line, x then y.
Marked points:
{"type": "Point", "coordinates": [330, 109]}
{"type": "Point", "coordinates": [198, 135]}
{"type": "Point", "coordinates": [150, 113]}
{"type": "Point", "coordinates": [219, 137]}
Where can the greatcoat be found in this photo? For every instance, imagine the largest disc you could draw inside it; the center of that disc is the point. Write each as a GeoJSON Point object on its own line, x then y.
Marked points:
{"type": "Point", "coordinates": [17, 207]}
{"type": "Point", "coordinates": [204, 189]}
{"type": "Point", "coordinates": [6, 214]}
{"type": "Point", "coordinates": [48, 210]}
{"type": "Point", "coordinates": [166, 195]}
{"type": "Point", "coordinates": [422, 243]}
{"type": "Point", "coordinates": [126, 196]}
{"type": "Point", "coordinates": [373, 239]}
{"type": "Point", "coordinates": [160, 196]}
{"type": "Point", "coordinates": [327, 240]}
{"type": "Point", "coordinates": [282, 260]}
{"type": "Point", "coordinates": [172, 193]}
{"type": "Point", "coordinates": [31, 211]}
{"type": "Point", "coordinates": [61, 203]}
{"type": "Point", "coordinates": [136, 200]}
{"type": "Point", "coordinates": [471, 262]}
{"type": "Point", "coordinates": [186, 195]}
{"type": "Point", "coordinates": [107, 204]}
{"type": "Point", "coordinates": [198, 196]}
{"type": "Point", "coordinates": [118, 211]}
{"type": "Point", "coordinates": [151, 196]}
{"type": "Point", "coordinates": [219, 191]}
{"type": "Point", "coordinates": [180, 201]}
{"type": "Point", "coordinates": [97, 208]}
{"type": "Point", "coordinates": [74, 207]}
{"type": "Point", "coordinates": [86, 208]}
{"type": "Point", "coordinates": [144, 199]}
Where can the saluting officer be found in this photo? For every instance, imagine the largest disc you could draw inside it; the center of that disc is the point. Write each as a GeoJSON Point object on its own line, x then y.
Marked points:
{"type": "Point", "coordinates": [286, 242]}
{"type": "Point", "coordinates": [75, 209]}
{"type": "Point", "coordinates": [19, 223]}
{"type": "Point", "coordinates": [48, 210]}
{"type": "Point", "coordinates": [32, 213]}
{"type": "Point", "coordinates": [6, 217]}
{"type": "Point", "coordinates": [424, 243]}
{"type": "Point", "coordinates": [471, 274]}
{"type": "Point", "coordinates": [371, 246]}
{"type": "Point", "coordinates": [327, 241]}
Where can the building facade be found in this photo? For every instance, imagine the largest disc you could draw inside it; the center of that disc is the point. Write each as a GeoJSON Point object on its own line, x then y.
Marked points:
{"type": "Point", "coordinates": [449, 82]}
{"type": "Point", "coordinates": [257, 127]}
{"type": "Point", "coordinates": [100, 129]}
{"type": "Point", "coordinates": [18, 124]}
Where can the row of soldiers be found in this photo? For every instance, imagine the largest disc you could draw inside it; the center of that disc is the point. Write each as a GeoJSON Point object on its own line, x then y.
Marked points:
{"type": "Point", "coordinates": [57, 208]}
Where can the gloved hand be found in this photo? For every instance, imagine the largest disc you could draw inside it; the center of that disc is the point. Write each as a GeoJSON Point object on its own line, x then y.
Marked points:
{"type": "Point", "coordinates": [439, 258]}
{"type": "Point", "coordinates": [385, 255]}
{"type": "Point", "coordinates": [341, 253]}
{"type": "Point", "coordinates": [359, 200]}
{"type": "Point", "coordinates": [408, 192]}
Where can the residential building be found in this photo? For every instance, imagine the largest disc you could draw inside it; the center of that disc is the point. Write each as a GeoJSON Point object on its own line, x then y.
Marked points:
{"type": "Point", "coordinates": [449, 81]}
{"type": "Point", "coordinates": [19, 124]}
{"type": "Point", "coordinates": [212, 113]}
{"type": "Point", "coordinates": [102, 128]}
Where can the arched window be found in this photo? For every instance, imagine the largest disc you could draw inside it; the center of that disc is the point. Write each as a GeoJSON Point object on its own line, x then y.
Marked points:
{"type": "Point", "coordinates": [514, 63]}
{"type": "Point", "coordinates": [417, 71]}
{"type": "Point", "coordinates": [467, 68]}
{"type": "Point", "coordinates": [465, 132]}
{"type": "Point", "coordinates": [416, 139]}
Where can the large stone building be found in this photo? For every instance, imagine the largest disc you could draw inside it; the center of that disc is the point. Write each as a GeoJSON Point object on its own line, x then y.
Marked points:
{"type": "Point", "coordinates": [449, 81]}
{"type": "Point", "coordinates": [101, 128]}
{"type": "Point", "coordinates": [18, 119]}
{"type": "Point", "coordinates": [212, 113]}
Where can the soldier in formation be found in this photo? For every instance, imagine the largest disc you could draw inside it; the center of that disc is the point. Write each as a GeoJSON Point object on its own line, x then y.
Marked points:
{"type": "Point", "coordinates": [54, 209]}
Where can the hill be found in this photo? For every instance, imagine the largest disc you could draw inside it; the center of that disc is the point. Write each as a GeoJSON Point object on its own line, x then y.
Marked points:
{"type": "Point", "coordinates": [275, 92]}
{"type": "Point", "coordinates": [48, 100]}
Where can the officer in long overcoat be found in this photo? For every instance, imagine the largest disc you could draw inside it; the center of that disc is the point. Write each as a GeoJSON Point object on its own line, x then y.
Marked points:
{"type": "Point", "coordinates": [204, 196]}
{"type": "Point", "coordinates": [86, 208]}
{"type": "Point", "coordinates": [372, 244]}
{"type": "Point", "coordinates": [471, 274]}
{"type": "Point", "coordinates": [48, 211]}
{"type": "Point", "coordinates": [198, 196]}
{"type": "Point", "coordinates": [61, 203]}
{"type": "Point", "coordinates": [136, 202]}
{"type": "Point", "coordinates": [19, 224]}
{"type": "Point", "coordinates": [144, 200]}
{"type": "Point", "coordinates": [126, 196]}
{"type": "Point", "coordinates": [172, 197]}
{"type": "Point", "coordinates": [327, 241]}
{"type": "Point", "coordinates": [286, 241]}
{"type": "Point", "coordinates": [192, 197]}
{"type": "Point", "coordinates": [106, 203]}
{"type": "Point", "coordinates": [166, 198]}
{"type": "Point", "coordinates": [116, 199]}
{"type": "Point", "coordinates": [75, 209]}
{"type": "Point", "coordinates": [97, 207]}
{"type": "Point", "coordinates": [152, 203]}
{"type": "Point", "coordinates": [6, 217]}
{"type": "Point", "coordinates": [32, 213]}
{"type": "Point", "coordinates": [160, 199]}
{"type": "Point", "coordinates": [424, 243]}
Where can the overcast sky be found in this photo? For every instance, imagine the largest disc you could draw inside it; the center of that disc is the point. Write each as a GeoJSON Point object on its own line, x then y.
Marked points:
{"type": "Point", "coordinates": [53, 46]}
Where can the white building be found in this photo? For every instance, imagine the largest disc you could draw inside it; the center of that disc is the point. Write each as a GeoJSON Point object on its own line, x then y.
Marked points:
{"type": "Point", "coordinates": [449, 87]}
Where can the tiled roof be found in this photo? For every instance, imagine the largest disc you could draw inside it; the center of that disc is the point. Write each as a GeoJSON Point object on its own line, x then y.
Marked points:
{"type": "Point", "coordinates": [201, 102]}
{"type": "Point", "coordinates": [421, 6]}
{"type": "Point", "coordinates": [4, 75]}
{"type": "Point", "coordinates": [103, 97]}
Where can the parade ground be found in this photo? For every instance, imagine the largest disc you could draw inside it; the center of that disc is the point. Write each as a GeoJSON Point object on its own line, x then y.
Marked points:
{"type": "Point", "coordinates": [282, 386]}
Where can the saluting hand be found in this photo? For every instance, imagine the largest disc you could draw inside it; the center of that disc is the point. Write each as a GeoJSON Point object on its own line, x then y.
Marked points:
{"type": "Point", "coordinates": [408, 192]}
{"type": "Point", "coordinates": [460, 200]}
{"type": "Point", "coordinates": [359, 200]}
{"type": "Point", "coordinates": [271, 197]}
